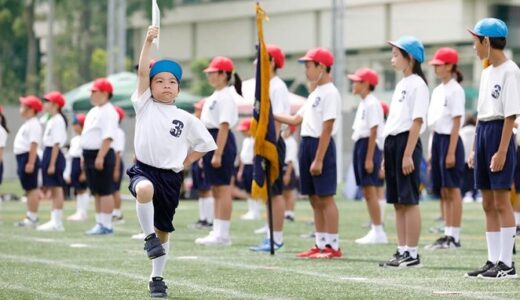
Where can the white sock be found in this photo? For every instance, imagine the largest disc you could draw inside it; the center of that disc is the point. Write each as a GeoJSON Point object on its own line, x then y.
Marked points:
{"type": "Point", "coordinates": [507, 241]}
{"type": "Point", "coordinates": [517, 218]}
{"type": "Point", "coordinates": [159, 263]}
{"type": "Point", "coordinates": [209, 207]}
{"type": "Point", "coordinates": [145, 213]}
{"type": "Point", "coordinates": [493, 246]}
{"type": "Point", "coordinates": [401, 249]}
{"type": "Point", "coordinates": [106, 220]}
{"type": "Point", "coordinates": [382, 205]}
{"type": "Point", "coordinates": [224, 228]}
{"type": "Point", "coordinates": [98, 218]}
{"type": "Point", "coordinates": [447, 231]}
{"type": "Point", "coordinates": [56, 215]}
{"type": "Point", "coordinates": [82, 203]}
{"type": "Point", "coordinates": [333, 240]}
{"type": "Point", "coordinates": [117, 212]}
{"type": "Point", "coordinates": [455, 233]}
{"type": "Point", "coordinates": [202, 209]}
{"type": "Point", "coordinates": [278, 237]}
{"type": "Point", "coordinates": [412, 251]}
{"type": "Point", "coordinates": [32, 215]}
{"type": "Point", "coordinates": [257, 206]}
{"type": "Point", "coordinates": [217, 227]}
{"type": "Point", "coordinates": [377, 229]}
{"type": "Point", "coordinates": [321, 240]}
{"type": "Point", "coordinates": [250, 205]}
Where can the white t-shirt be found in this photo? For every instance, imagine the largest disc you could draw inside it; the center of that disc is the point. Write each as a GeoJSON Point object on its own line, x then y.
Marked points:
{"type": "Point", "coordinates": [323, 104]}
{"type": "Point", "coordinates": [369, 114]}
{"type": "Point", "coordinates": [55, 132]}
{"type": "Point", "coordinates": [119, 141]}
{"type": "Point", "coordinates": [75, 150]}
{"type": "Point", "coordinates": [164, 133]}
{"type": "Point", "coordinates": [3, 137]}
{"type": "Point", "coordinates": [447, 102]}
{"type": "Point", "coordinates": [291, 153]}
{"type": "Point", "coordinates": [409, 102]}
{"type": "Point", "coordinates": [219, 108]}
{"type": "Point", "coordinates": [499, 93]}
{"type": "Point", "coordinates": [100, 124]}
{"type": "Point", "coordinates": [30, 132]}
{"type": "Point", "coordinates": [467, 135]}
{"type": "Point", "coordinates": [279, 95]}
{"type": "Point", "coordinates": [247, 152]}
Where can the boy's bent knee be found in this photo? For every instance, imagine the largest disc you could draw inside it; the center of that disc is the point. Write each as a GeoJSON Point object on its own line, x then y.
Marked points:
{"type": "Point", "coordinates": [144, 190]}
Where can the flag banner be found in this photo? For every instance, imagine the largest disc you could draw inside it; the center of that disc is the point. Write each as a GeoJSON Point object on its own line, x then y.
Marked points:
{"type": "Point", "coordinates": [156, 20]}
{"type": "Point", "coordinates": [263, 127]}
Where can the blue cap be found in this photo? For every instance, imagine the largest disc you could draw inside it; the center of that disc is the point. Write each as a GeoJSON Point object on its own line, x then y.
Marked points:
{"type": "Point", "coordinates": [490, 27]}
{"type": "Point", "coordinates": [411, 45]}
{"type": "Point", "coordinates": [166, 65]}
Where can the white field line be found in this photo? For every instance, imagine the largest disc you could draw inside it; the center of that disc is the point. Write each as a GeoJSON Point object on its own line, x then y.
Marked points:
{"type": "Point", "coordinates": [177, 282]}
{"type": "Point", "coordinates": [10, 286]}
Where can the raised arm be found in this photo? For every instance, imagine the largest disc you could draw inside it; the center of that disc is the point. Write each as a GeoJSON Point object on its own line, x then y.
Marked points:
{"type": "Point", "coordinates": [143, 73]}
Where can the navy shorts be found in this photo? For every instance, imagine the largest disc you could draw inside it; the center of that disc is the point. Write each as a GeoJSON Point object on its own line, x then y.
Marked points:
{"type": "Point", "coordinates": [200, 182]}
{"type": "Point", "coordinates": [55, 180]}
{"type": "Point", "coordinates": [517, 171]}
{"type": "Point", "coordinates": [99, 182]}
{"type": "Point", "coordinates": [277, 187]}
{"type": "Point", "coordinates": [222, 175]}
{"type": "Point", "coordinates": [469, 180]}
{"type": "Point", "coordinates": [321, 185]}
{"type": "Point", "coordinates": [75, 172]}
{"type": "Point", "coordinates": [1, 171]}
{"type": "Point", "coordinates": [247, 178]}
{"type": "Point", "coordinates": [440, 175]}
{"type": "Point", "coordinates": [117, 183]}
{"type": "Point", "coordinates": [360, 153]}
{"type": "Point", "coordinates": [29, 181]}
{"type": "Point", "coordinates": [487, 140]}
{"type": "Point", "coordinates": [401, 189]}
{"type": "Point", "coordinates": [166, 186]}
{"type": "Point", "coordinates": [293, 182]}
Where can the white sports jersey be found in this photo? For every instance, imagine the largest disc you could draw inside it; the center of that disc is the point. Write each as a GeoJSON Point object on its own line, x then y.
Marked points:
{"type": "Point", "coordinates": [100, 124]}
{"type": "Point", "coordinates": [291, 153]}
{"type": "Point", "coordinates": [447, 102]}
{"type": "Point", "coordinates": [219, 108]}
{"type": "Point", "coordinates": [30, 132]}
{"type": "Point", "coordinates": [467, 135]}
{"type": "Point", "coordinates": [279, 95]}
{"type": "Point", "coordinates": [55, 132]}
{"type": "Point", "coordinates": [499, 92]}
{"type": "Point", "coordinates": [119, 141]}
{"type": "Point", "coordinates": [3, 137]}
{"type": "Point", "coordinates": [323, 104]}
{"type": "Point", "coordinates": [369, 114]}
{"type": "Point", "coordinates": [75, 147]}
{"type": "Point", "coordinates": [247, 153]}
{"type": "Point", "coordinates": [164, 134]}
{"type": "Point", "coordinates": [409, 102]}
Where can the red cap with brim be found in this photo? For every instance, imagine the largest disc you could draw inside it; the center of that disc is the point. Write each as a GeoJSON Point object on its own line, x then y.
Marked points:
{"type": "Point", "coordinates": [32, 102]}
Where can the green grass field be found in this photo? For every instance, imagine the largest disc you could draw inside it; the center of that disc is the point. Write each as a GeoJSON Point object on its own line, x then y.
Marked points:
{"type": "Point", "coordinates": [69, 265]}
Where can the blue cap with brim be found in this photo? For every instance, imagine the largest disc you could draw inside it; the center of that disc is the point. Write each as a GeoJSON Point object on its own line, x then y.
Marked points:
{"type": "Point", "coordinates": [411, 45]}
{"type": "Point", "coordinates": [490, 27]}
{"type": "Point", "coordinates": [166, 65]}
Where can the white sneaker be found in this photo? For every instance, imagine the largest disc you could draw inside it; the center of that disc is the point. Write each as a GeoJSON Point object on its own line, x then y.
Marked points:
{"type": "Point", "coordinates": [139, 236]}
{"type": "Point", "coordinates": [262, 230]}
{"type": "Point", "coordinates": [78, 216]}
{"type": "Point", "coordinates": [51, 226]}
{"type": "Point", "coordinates": [249, 216]}
{"type": "Point", "coordinates": [467, 199]}
{"type": "Point", "coordinates": [213, 240]}
{"type": "Point", "coordinates": [373, 238]}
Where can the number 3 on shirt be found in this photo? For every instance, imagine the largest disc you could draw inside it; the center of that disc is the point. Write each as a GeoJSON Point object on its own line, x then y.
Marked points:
{"type": "Point", "coordinates": [176, 131]}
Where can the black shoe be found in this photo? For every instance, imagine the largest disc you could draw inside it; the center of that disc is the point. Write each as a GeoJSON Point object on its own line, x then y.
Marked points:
{"type": "Point", "coordinates": [157, 288]}
{"type": "Point", "coordinates": [407, 261]}
{"type": "Point", "coordinates": [153, 246]}
{"type": "Point", "coordinates": [474, 274]}
{"type": "Point", "coordinates": [517, 230]}
{"type": "Point", "coordinates": [208, 226]}
{"type": "Point", "coordinates": [199, 225]}
{"type": "Point", "coordinates": [500, 271]}
{"type": "Point", "coordinates": [440, 243]}
{"type": "Point", "coordinates": [392, 262]}
{"type": "Point", "coordinates": [451, 243]}
{"type": "Point", "coordinates": [289, 218]}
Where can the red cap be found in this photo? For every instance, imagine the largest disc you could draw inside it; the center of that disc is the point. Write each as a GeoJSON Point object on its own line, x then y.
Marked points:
{"type": "Point", "coordinates": [102, 85]}
{"type": "Point", "coordinates": [244, 125]}
{"type": "Point", "coordinates": [80, 119]}
{"type": "Point", "coordinates": [365, 74]}
{"type": "Point", "coordinates": [277, 55]}
{"type": "Point", "coordinates": [386, 108]}
{"type": "Point", "coordinates": [55, 97]}
{"type": "Point", "coordinates": [320, 55]}
{"type": "Point", "coordinates": [220, 63]}
{"type": "Point", "coordinates": [120, 112]}
{"type": "Point", "coordinates": [199, 104]}
{"type": "Point", "coordinates": [445, 56]}
{"type": "Point", "coordinates": [32, 102]}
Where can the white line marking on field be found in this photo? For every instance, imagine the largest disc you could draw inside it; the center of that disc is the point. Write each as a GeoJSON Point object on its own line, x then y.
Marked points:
{"type": "Point", "coordinates": [78, 245]}
{"type": "Point", "coordinates": [176, 281]}
{"type": "Point", "coordinates": [185, 257]}
{"type": "Point", "coordinates": [10, 286]}
{"type": "Point", "coordinates": [43, 240]}
{"type": "Point", "coordinates": [354, 278]}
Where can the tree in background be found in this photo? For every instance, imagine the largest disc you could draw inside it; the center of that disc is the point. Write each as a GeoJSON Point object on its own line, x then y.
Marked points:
{"type": "Point", "coordinates": [200, 85]}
